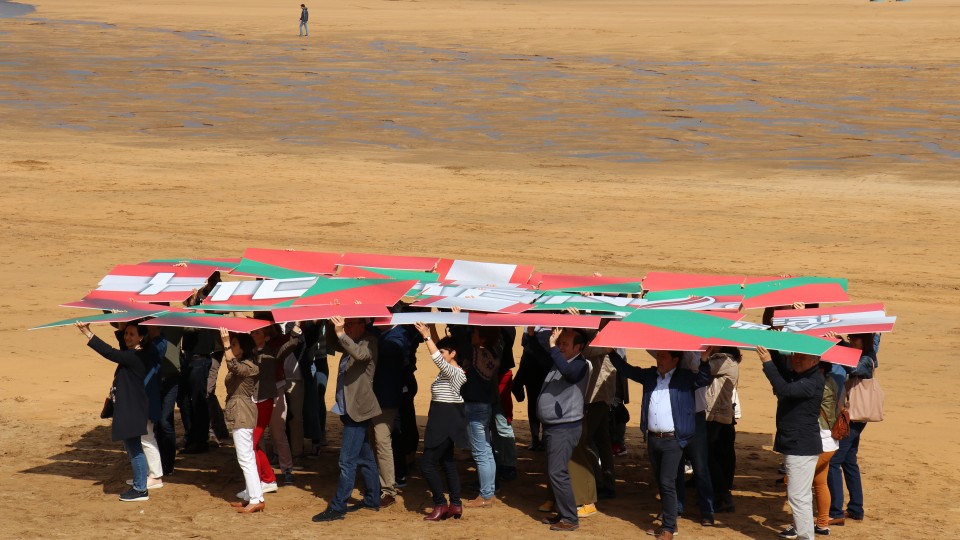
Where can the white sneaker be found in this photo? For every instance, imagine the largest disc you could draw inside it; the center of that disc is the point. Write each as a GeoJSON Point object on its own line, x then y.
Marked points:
{"type": "Point", "coordinates": [268, 488]}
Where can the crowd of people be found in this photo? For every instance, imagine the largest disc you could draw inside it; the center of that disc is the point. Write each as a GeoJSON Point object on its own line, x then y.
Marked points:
{"type": "Point", "coordinates": [576, 396]}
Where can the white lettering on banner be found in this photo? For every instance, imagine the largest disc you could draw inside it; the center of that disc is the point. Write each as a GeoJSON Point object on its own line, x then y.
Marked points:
{"type": "Point", "coordinates": [223, 291]}
{"type": "Point", "coordinates": [157, 283]}
{"type": "Point", "coordinates": [268, 289]}
{"type": "Point", "coordinates": [283, 288]}
{"type": "Point", "coordinates": [161, 282]}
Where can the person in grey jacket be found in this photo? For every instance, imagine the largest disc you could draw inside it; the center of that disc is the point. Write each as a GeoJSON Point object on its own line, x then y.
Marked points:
{"type": "Point", "coordinates": [304, 17]}
{"type": "Point", "coordinates": [560, 407]}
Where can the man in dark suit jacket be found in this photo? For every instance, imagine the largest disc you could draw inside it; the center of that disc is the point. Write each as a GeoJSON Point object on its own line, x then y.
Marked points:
{"type": "Point", "coordinates": [799, 389]}
{"type": "Point", "coordinates": [667, 419]}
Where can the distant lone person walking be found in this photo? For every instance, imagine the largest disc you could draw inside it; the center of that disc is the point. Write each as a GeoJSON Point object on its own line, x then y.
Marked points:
{"type": "Point", "coordinates": [304, 17]}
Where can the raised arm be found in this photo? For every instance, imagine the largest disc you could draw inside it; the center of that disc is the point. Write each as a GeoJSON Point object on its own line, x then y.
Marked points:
{"type": "Point", "coordinates": [633, 373]}
{"type": "Point", "coordinates": [807, 387]}
{"type": "Point", "coordinates": [573, 370]}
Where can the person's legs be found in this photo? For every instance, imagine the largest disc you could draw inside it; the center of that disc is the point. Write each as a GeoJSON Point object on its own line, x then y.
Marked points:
{"type": "Point", "coordinates": [665, 458]}
{"type": "Point", "coordinates": [534, 418]}
{"type": "Point", "coordinates": [295, 417]}
{"type": "Point", "coordinates": [355, 452]}
{"type": "Point", "coordinates": [165, 430]}
{"type": "Point", "coordinates": [696, 450]}
{"type": "Point", "coordinates": [504, 442]}
{"type": "Point", "coordinates": [820, 490]}
{"type": "Point", "coordinates": [453, 477]}
{"type": "Point", "coordinates": [428, 467]}
{"type": "Point", "coordinates": [582, 480]}
{"type": "Point", "coordinates": [851, 471]}
{"type": "Point", "coordinates": [835, 477]}
{"type": "Point", "coordinates": [800, 471]}
{"type": "Point", "coordinates": [183, 401]}
{"type": "Point", "coordinates": [138, 461]}
{"type": "Point", "coordinates": [199, 409]}
{"type": "Point", "coordinates": [478, 418]}
{"type": "Point", "coordinates": [278, 432]}
{"type": "Point", "coordinates": [218, 425]}
{"type": "Point", "coordinates": [721, 462]}
{"type": "Point", "coordinates": [560, 445]}
{"type": "Point", "coordinates": [598, 418]}
{"type": "Point", "coordinates": [246, 457]}
{"type": "Point", "coordinates": [382, 425]}
{"type": "Point", "coordinates": [151, 452]}
{"type": "Point", "coordinates": [264, 413]}
{"type": "Point", "coordinates": [322, 406]}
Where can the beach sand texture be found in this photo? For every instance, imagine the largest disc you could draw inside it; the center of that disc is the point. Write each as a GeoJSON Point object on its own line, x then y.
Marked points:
{"type": "Point", "coordinates": [814, 138]}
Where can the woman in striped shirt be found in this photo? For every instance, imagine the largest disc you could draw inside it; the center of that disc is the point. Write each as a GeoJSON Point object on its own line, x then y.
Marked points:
{"type": "Point", "coordinates": [446, 425]}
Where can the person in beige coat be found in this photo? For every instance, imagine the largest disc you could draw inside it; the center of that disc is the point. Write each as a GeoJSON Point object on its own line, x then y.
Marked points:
{"type": "Point", "coordinates": [243, 373]}
{"type": "Point", "coordinates": [721, 423]}
{"type": "Point", "coordinates": [356, 404]}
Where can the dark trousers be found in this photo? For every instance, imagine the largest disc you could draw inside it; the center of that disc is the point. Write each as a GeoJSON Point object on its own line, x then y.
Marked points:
{"type": "Point", "coordinates": [532, 414]}
{"type": "Point", "coordinates": [696, 452]}
{"type": "Point", "coordinates": [666, 455]}
{"type": "Point", "coordinates": [218, 423]}
{"type": "Point", "coordinates": [166, 431]}
{"type": "Point", "coordinates": [596, 424]}
{"type": "Point", "coordinates": [560, 443]}
{"type": "Point", "coordinates": [442, 454]}
{"type": "Point", "coordinates": [721, 439]}
{"type": "Point", "coordinates": [195, 400]}
{"type": "Point", "coordinates": [844, 466]}
{"type": "Point", "coordinates": [356, 453]}
{"type": "Point", "coordinates": [406, 437]}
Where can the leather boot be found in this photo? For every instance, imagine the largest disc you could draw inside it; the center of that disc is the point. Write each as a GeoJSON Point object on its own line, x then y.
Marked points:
{"type": "Point", "coordinates": [439, 512]}
{"type": "Point", "coordinates": [454, 511]}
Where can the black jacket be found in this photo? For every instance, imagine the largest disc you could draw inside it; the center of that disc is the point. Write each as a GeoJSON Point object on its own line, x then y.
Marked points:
{"type": "Point", "coordinates": [798, 409]}
{"type": "Point", "coordinates": [131, 408]}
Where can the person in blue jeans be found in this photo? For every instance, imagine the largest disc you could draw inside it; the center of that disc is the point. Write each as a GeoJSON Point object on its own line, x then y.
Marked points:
{"type": "Point", "coordinates": [130, 403]}
{"type": "Point", "coordinates": [482, 365]}
{"type": "Point", "coordinates": [304, 17]}
{"type": "Point", "coordinates": [357, 404]}
{"type": "Point", "coordinates": [844, 467]}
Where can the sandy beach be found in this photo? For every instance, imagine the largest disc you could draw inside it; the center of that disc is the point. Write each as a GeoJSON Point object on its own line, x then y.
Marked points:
{"type": "Point", "coordinates": [811, 138]}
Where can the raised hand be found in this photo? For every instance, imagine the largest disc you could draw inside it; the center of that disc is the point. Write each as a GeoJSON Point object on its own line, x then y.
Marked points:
{"type": "Point", "coordinates": [554, 336]}
{"type": "Point", "coordinates": [225, 337]}
{"type": "Point", "coordinates": [763, 354]}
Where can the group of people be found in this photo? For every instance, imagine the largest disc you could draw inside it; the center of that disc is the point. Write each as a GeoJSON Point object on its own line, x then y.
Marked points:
{"type": "Point", "coordinates": [277, 375]}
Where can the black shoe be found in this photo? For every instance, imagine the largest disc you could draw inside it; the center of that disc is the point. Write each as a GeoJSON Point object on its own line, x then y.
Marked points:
{"type": "Point", "coordinates": [536, 447]}
{"type": "Point", "coordinates": [604, 495]}
{"type": "Point", "coordinates": [328, 515]}
{"type": "Point", "coordinates": [133, 495]}
{"type": "Point", "coordinates": [288, 478]}
{"type": "Point", "coordinates": [707, 521]}
{"type": "Point", "coordinates": [401, 482]}
{"type": "Point", "coordinates": [508, 473]}
{"type": "Point", "coordinates": [361, 506]}
{"type": "Point", "coordinates": [825, 531]}
{"type": "Point", "coordinates": [789, 534]}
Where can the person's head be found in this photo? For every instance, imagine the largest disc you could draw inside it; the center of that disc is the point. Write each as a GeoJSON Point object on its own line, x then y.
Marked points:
{"type": "Point", "coordinates": [355, 328]}
{"type": "Point", "coordinates": [864, 342]}
{"type": "Point", "coordinates": [732, 352]}
{"type": "Point", "coordinates": [447, 348]}
{"type": "Point", "coordinates": [571, 342]}
{"type": "Point", "coordinates": [303, 6]}
{"type": "Point", "coordinates": [801, 363]}
{"type": "Point", "coordinates": [667, 360]}
{"type": "Point", "coordinates": [485, 336]}
{"type": "Point", "coordinates": [133, 335]}
{"type": "Point", "coordinates": [242, 345]}
{"type": "Point", "coordinates": [259, 337]}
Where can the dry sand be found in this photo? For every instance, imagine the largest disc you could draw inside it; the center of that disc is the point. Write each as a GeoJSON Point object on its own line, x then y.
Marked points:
{"type": "Point", "coordinates": [623, 137]}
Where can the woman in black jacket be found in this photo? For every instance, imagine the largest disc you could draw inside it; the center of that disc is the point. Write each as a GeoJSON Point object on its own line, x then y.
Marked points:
{"type": "Point", "coordinates": [130, 404]}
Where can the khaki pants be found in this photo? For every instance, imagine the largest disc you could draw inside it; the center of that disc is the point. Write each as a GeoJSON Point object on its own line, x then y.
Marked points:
{"type": "Point", "coordinates": [382, 427]}
{"type": "Point", "coordinates": [821, 492]}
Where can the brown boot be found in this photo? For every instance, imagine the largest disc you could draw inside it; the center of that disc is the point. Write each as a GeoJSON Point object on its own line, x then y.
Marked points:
{"type": "Point", "coordinates": [439, 512]}
{"type": "Point", "coordinates": [480, 502]}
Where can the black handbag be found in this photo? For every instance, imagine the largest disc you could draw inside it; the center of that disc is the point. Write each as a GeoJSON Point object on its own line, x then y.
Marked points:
{"type": "Point", "coordinates": [107, 411]}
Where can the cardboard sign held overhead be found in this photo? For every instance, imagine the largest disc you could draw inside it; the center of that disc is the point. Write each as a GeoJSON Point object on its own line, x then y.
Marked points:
{"type": "Point", "coordinates": [840, 319]}
{"type": "Point", "coordinates": [151, 282]}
